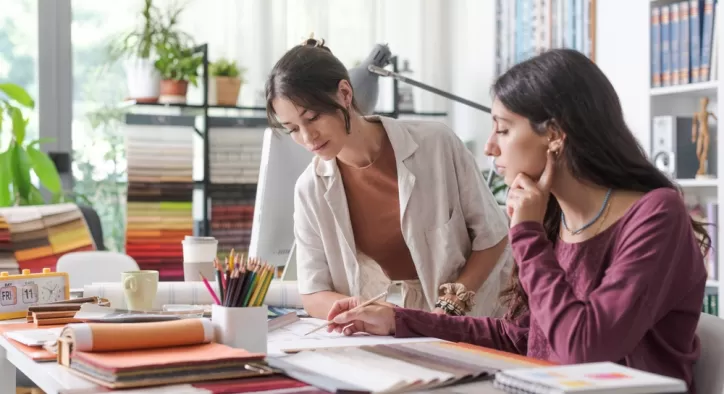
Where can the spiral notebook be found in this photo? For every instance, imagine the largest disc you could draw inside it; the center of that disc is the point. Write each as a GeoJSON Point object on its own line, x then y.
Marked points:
{"type": "Point", "coordinates": [599, 378]}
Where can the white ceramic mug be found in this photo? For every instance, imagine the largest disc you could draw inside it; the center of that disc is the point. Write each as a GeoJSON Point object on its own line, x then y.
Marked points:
{"type": "Point", "coordinates": [139, 288]}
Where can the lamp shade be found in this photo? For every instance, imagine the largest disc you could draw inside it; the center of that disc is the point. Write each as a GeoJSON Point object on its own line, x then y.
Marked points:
{"type": "Point", "coordinates": [365, 83]}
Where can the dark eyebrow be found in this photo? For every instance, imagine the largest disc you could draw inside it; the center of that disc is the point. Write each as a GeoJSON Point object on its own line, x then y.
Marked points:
{"type": "Point", "coordinates": [301, 114]}
{"type": "Point", "coordinates": [497, 118]}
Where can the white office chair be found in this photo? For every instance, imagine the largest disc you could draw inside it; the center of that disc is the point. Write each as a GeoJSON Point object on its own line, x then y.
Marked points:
{"type": "Point", "coordinates": [709, 369]}
{"type": "Point", "coordinates": [84, 268]}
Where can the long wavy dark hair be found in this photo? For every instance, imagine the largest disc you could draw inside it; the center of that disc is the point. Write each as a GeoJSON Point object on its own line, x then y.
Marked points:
{"type": "Point", "coordinates": [566, 89]}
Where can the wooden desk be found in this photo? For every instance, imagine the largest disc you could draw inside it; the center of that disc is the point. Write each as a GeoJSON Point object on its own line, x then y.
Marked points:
{"type": "Point", "coordinates": [54, 379]}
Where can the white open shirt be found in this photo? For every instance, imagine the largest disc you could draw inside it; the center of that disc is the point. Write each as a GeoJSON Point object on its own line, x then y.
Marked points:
{"type": "Point", "coordinates": [446, 212]}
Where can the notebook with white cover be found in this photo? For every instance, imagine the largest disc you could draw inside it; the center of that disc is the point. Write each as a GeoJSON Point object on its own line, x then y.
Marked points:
{"type": "Point", "coordinates": [598, 378]}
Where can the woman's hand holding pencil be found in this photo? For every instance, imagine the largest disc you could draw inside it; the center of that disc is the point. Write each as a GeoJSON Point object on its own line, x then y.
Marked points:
{"type": "Point", "coordinates": [241, 283]}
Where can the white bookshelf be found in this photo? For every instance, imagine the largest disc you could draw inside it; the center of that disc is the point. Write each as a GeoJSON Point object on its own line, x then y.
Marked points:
{"type": "Point", "coordinates": [683, 100]}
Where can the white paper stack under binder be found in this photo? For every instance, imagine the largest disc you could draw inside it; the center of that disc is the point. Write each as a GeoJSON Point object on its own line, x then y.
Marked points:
{"type": "Point", "coordinates": [599, 378]}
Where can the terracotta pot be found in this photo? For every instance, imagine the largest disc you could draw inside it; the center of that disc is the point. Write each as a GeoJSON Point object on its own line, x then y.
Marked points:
{"type": "Point", "coordinates": [173, 91]}
{"type": "Point", "coordinates": [227, 90]}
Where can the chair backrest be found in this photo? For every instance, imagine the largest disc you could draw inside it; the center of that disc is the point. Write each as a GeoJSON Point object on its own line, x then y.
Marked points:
{"type": "Point", "coordinates": [94, 225]}
{"type": "Point", "coordinates": [84, 268]}
{"type": "Point", "coordinates": [709, 369]}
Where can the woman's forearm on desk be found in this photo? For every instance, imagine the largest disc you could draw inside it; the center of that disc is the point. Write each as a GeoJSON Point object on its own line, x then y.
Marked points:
{"type": "Point", "coordinates": [482, 331]}
{"type": "Point", "coordinates": [318, 304]}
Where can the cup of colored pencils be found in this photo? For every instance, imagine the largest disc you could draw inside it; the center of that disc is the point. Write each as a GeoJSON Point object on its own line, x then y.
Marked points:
{"type": "Point", "coordinates": [239, 315]}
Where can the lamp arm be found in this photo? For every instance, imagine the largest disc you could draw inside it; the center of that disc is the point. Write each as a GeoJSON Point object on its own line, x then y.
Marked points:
{"type": "Point", "coordinates": [387, 73]}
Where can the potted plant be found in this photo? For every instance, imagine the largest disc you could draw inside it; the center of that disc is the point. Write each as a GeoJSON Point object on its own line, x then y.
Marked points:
{"type": "Point", "coordinates": [21, 158]}
{"type": "Point", "coordinates": [179, 66]}
{"type": "Point", "coordinates": [137, 49]}
{"type": "Point", "coordinates": [227, 80]}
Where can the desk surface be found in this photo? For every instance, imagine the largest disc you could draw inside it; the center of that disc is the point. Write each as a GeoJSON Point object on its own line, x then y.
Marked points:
{"type": "Point", "coordinates": [54, 379]}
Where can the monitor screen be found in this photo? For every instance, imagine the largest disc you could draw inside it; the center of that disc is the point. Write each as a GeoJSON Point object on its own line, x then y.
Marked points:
{"type": "Point", "coordinates": [282, 162]}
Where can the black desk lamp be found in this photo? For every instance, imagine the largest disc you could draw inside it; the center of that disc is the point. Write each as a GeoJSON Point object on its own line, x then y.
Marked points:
{"type": "Point", "coordinates": [365, 78]}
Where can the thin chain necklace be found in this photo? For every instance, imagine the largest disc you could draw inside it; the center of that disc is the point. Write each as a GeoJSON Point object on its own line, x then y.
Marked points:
{"type": "Point", "coordinates": [595, 218]}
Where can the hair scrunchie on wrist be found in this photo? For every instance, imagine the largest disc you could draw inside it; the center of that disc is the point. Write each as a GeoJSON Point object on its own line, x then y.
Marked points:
{"type": "Point", "coordinates": [465, 296]}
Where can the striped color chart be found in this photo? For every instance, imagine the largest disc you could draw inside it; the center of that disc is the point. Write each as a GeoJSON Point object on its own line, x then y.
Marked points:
{"type": "Point", "coordinates": [39, 235]}
{"type": "Point", "coordinates": [235, 156]}
{"type": "Point", "coordinates": [160, 193]}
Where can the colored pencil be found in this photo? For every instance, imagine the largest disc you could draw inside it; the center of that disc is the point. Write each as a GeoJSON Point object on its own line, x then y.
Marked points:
{"type": "Point", "coordinates": [208, 287]}
{"type": "Point", "coordinates": [364, 304]}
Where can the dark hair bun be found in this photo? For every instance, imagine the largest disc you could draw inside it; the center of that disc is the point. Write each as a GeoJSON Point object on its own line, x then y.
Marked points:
{"type": "Point", "coordinates": [315, 43]}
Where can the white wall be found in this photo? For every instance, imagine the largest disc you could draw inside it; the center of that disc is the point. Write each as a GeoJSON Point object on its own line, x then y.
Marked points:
{"type": "Point", "coordinates": [622, 52]}
{"type": "Point", "coordinates": [472, 68]}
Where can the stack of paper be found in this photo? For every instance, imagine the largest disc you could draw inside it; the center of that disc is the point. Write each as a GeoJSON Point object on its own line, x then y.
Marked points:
{"type": "Point", "coordinates": [160, 191]}
{"type": "Point", "coordinates": [383, 368]}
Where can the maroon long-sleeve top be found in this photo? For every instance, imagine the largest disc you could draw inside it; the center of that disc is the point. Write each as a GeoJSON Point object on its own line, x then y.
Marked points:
{"type": "Point", "coordinates": [632, 294]}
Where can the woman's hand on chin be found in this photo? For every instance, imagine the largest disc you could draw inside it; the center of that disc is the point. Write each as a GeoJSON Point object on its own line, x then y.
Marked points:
{"type": "Point", "coordinates": [375, 319]}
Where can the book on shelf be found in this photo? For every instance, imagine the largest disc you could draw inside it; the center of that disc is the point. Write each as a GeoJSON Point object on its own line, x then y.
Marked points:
{"type": "Point", "coordinates": [707, 213]}
{"type": "Point", "coordinates": [711, 304]}
{"type": "Point", "coordinates": [526, 28]}
{"type": "Point", "coordinates": [684, 43]}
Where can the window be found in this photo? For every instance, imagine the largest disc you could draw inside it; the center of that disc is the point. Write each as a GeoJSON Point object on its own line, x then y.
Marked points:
{"type": "Point", "coordinates": [99, 158]}
{"type": "Point", "coordinates": [19, 53]}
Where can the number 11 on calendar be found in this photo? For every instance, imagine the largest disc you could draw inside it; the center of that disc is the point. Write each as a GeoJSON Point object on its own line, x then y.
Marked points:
{"type": "Point", "coordinates": [29, 293]}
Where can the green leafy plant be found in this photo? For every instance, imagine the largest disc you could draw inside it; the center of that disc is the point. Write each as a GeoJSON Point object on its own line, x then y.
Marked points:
{"type": "Point", "coordinates": [22, 158]}
{"type": "Point", "coordinates": [157, 29]}
{"type": "Point", "coordinates": [497, 187]}
{"type": "Point", "coordinates": [179, 63]}
{"type": "Point", "coordinates": [226, 68]}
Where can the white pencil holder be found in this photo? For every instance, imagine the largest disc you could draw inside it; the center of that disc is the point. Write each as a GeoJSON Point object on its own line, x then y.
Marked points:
{"type": "Point", "coordinates": [241, 328]}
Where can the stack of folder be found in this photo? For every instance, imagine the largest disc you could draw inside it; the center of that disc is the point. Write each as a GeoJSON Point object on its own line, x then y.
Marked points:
{"type": "Point", "coordinates": [7, 258]}
{"type": "Point", "coordinates": [118, 355]}
{"type": "Point", "coordinates": [62, 312]}
{"type": "Point", "coordinates": [160, 194]}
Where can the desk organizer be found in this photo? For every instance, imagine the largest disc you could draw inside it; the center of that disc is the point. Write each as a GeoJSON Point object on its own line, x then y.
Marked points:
{"type": "Point", "coordinates": [241, 328]}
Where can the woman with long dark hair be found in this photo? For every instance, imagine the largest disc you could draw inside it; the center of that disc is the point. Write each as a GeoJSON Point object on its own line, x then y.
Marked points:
{"type": "Point", "coordinates": [609, 263]}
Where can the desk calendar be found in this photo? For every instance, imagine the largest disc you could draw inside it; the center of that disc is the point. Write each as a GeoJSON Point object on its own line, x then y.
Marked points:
{"type": "Point", "coordinates": [18, 292]}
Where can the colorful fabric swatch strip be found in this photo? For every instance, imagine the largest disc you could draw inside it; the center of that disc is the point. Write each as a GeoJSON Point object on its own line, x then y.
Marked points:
{"type": "Point", "coordinates": [160, 196]}
{"type": "Point", "coordinates": [35, 237]}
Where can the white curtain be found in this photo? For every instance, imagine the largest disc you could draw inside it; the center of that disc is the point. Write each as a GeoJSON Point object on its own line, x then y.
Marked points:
{"type": "Point", "coordinates": [256, 33]}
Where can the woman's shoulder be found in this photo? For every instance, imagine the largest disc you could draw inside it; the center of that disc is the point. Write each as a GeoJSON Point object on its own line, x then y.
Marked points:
{"type": "Point", "coordinates": [665, 200]}
{"type": "Point", "coordinates": [661, 209]}
{"type": "Point", "coordinates": [432, 136]}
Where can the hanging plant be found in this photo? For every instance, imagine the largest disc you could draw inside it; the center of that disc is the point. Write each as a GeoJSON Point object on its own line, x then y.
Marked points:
{"type": "Point", "coordinates": [21, 158]}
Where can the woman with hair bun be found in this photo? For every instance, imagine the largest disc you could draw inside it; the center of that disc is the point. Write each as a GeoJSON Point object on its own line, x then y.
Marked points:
{"type": "Point", "coordinates": [384, 200]}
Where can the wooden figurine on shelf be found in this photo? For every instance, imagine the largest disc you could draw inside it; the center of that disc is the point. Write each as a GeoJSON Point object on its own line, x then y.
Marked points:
{"type": "Point", "coordinates": [701, 137]}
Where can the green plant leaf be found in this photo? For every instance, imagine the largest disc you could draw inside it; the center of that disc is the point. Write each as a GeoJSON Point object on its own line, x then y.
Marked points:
{"type": "Point", "coordinates": [6, 180]}
{"type": "Point", "coordinates": [18, 124]}
{"type": "Point", "coordinates": [41, 140]}
{"type": "Point", "coordinates": [45, 170]}
{"type": "Point", "coordinates": [20, 164]}
{"type": "Point", "coordinates": [18, 94]}
{"type": "Point", "coordinates": [35, 197]}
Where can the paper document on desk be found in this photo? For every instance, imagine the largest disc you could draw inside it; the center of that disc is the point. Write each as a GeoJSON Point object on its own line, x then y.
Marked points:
{"type": "Point", "coordinates": [292, 338]}
{"type": "Point", "coordinates": [281, 294]}
{"type": "Point", "coordinates": [35, 337]}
